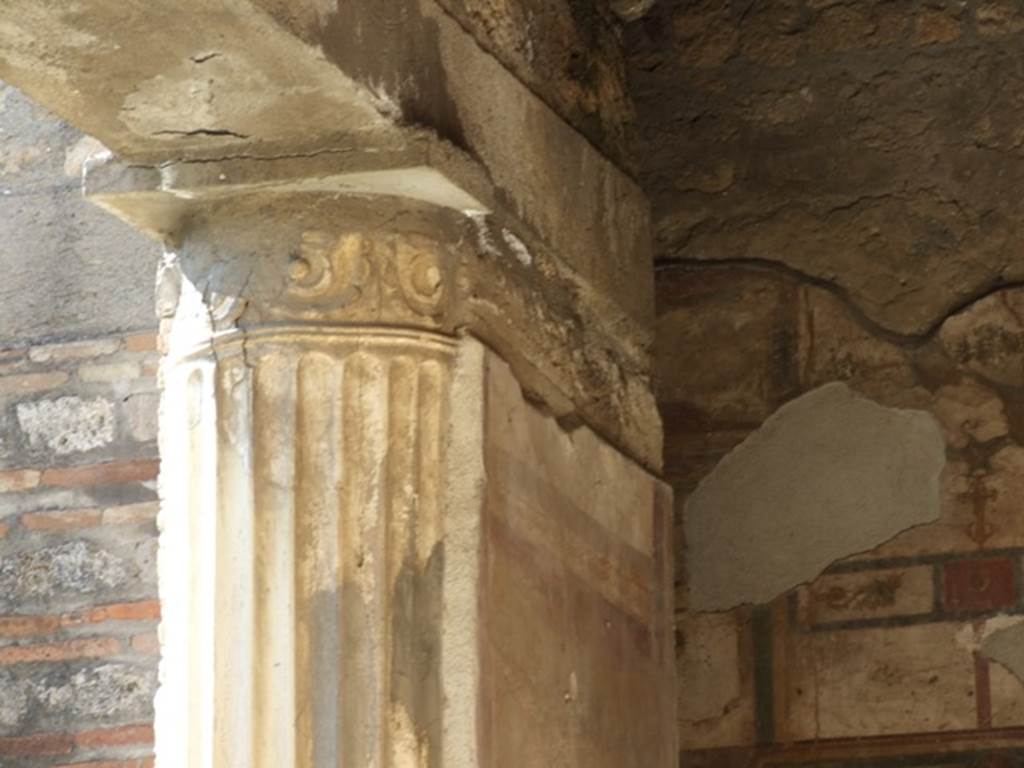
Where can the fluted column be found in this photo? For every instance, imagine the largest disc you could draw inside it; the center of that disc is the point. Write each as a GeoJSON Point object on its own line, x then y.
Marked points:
{"type": "Point", "coordinates": [387, 541]}
{"type": "Point", "coordinates": [302, 554]}
{"type": "Point", "coordinates": [306, 430]}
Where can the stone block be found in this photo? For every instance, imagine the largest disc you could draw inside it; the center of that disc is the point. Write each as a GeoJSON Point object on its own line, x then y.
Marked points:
{"type": "Point", "coordinates": [67, 569]}
{"type": "Point", "coordinates": [101, 691]}
{"type": "Point", "coordinates": [67, 425]}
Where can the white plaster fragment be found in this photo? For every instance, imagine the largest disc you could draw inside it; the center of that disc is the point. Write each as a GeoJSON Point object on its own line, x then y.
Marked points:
{"type": "Point", "coordinates": [483, 234]}
{"type": "Point", "coordinates": [1002, 641]}
{"type": "Point", "coordinates": [518, 247]}
{"type": "Point", "coordinates": [830, 474]}
{"type": "Point", "coordinates": [67, 424]}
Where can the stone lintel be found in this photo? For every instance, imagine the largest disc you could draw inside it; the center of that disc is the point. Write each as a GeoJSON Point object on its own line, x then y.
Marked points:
{"type": "Point", "coordinates": [199, 81]}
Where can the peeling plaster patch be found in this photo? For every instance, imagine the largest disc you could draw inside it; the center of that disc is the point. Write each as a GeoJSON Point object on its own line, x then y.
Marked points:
{"type": "Point", "coordinates": [67, 424]}
{"type": "Point", "coordinates": [828, 475]}
{"type": "Point", "coordinates": [1004, 644]}
{"type": "Point", "coordinates": [490, 247]}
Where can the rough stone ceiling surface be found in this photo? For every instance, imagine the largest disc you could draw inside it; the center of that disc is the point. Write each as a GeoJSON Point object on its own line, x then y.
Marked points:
{"type": "Point", "coordinates": [870, 146]}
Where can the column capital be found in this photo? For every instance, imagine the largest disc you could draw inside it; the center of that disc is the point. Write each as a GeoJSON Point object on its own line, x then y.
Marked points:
{"type": "Point", "coordinates": [390, 249]}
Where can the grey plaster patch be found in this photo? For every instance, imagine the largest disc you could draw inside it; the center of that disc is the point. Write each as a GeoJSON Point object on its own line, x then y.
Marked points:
{"type": "Point", "coordinates": [67, 424]}
{"type": "Point", "coordinates": [69, 269]}
{"type": "Point", "coordinates": [828, 475]}
{"type": "Point", "coordinates": [1006, 647]}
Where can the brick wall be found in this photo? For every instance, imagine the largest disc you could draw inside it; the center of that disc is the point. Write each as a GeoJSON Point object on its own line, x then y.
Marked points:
{"type": "Point", "coordinates": [78, 599]}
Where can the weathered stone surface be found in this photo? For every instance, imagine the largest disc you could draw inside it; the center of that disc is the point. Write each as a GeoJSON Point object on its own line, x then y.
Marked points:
{"type": "Point", "coordinates": [568, 52]}
{"type": "Point", "coordinates": [810, 144]}
{"type": "Point", "coordinates": [828, 475]}
{"type": "Point", "coordinates": [100, 692]}
{"type": "Point", "coordinates": [92, 693]}
{"type": "Point", "coordinates": [67, 424]}
{"type": "Point", "coordinates": [68, 269]}
{"type": "Point", "coordinates": [71, 569]}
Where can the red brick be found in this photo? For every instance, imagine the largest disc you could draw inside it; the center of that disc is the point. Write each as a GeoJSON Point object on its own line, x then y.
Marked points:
{"type": "Point", "coordinates": [73, 350]}
{"type": "Point", "coordinates": [61, 521]}
{"type": "Point", "coordinates": [116, 737]}
{"type": "Point", "coordinates": [141, 611]}
{"type": "Point", "coordinates": [24, 626]}
{"type": "Point", "coordinates": [31, 382]}
{"type": "Point", "coordinates": [147, 644]}
{"type": "Point", "coordinates": [3, 530]}
{"type": "Point", "coordinates": [979, 585]}
{"type": "Point", "coordinates": [14, 480]}
{"type": "Point", "coordinates": [37, 744]}
{"type": "Point", "coordinates": [131, 514]}
{"type": "Point", "coordinates": [28, 625]}
{"type": "Point", "coordinates": [85, 648]}
{"type": "Point", "coordinates": [114, 473]}
{"type": "Point", "coordinates": [140, 342]}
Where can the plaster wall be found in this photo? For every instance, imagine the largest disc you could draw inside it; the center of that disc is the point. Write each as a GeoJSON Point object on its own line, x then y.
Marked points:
{"type": "Point", "coordinates": [576, 649]}
{"type": "Point", "coordinates": [885, 656]}
{"type": "Point", "coordinates": [67, 269]}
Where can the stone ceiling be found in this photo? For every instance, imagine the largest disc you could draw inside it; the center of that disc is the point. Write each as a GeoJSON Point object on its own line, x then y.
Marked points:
{"type": "Point", "coordinates": [872, 147]}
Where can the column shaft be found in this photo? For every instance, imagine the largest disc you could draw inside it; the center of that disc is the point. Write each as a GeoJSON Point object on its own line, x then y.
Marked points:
{"type": "Point", "coordinates": [302, 552]}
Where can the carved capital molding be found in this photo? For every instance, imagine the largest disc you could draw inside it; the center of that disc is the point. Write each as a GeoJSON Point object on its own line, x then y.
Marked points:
{"type": "Point", "coordinates": [243, 266]}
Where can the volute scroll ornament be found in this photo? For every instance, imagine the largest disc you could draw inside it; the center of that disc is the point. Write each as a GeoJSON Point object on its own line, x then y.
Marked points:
{"type": "Point", "coordinates": [397, 278]}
